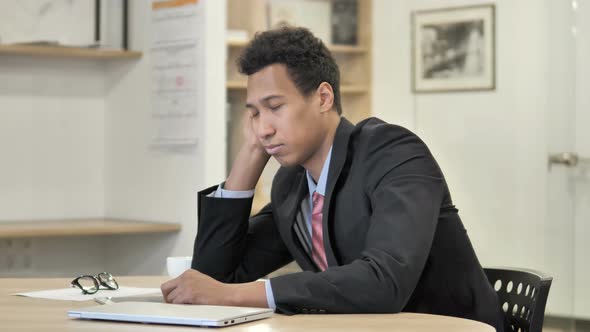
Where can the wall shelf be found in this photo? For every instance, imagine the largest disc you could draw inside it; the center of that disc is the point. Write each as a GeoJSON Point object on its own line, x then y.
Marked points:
{"type": "Point", "coordinates": [236, 85]}
{"type": "Point", "coordinates": [346, 49]}
{"type": "Point", "coordinates": [344, 89]}
{"type": "Point", "coordinates": [67, 52]}
{"type": "Point", "coordinates": [354, 89]}
{"type": "Point", "coordinates": [338, 49]}
{"type": "Point", "coordinates": [82, 227]}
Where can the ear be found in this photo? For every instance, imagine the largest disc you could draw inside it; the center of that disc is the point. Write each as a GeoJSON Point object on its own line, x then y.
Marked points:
{"type": "Point", "coordinates": [326, 97]}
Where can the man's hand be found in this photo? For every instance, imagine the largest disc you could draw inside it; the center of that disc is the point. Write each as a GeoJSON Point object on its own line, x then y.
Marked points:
{"type": "Point", "coordinates": [249, 162]}
{"type": "Point", "coordinates": [251, 140]}
{"type": "Point", "coordinates": [193, 287]}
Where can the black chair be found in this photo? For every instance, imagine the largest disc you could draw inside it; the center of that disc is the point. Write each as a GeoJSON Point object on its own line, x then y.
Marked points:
{"type": "Point", "coordinates": [523, 295]}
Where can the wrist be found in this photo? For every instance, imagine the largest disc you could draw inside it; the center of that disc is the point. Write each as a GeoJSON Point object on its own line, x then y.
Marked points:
{"type": "Point", "coordinates": [251, 294]}
{"type": "Point", "coordinates": [232, 297]}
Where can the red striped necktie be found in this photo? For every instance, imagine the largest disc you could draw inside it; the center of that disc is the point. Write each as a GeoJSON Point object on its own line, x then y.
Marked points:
{"type": "Point", "coordinates": [318, 252]}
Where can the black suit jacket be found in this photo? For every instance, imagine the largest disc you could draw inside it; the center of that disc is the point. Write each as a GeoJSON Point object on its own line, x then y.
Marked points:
{"type": "Point", "coordinates": [394, 241]}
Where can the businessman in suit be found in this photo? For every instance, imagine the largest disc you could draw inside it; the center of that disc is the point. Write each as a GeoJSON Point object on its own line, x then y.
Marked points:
{"type": "Point", "coordinates": [364, 210]}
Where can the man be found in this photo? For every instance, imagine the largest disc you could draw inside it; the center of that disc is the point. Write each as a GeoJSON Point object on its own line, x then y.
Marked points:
{"type": "Point", "coordinates": [364, 210]}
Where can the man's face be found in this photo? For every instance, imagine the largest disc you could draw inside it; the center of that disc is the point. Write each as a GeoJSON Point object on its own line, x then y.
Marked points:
{"type": "Point", "coordinates": [285, 122]}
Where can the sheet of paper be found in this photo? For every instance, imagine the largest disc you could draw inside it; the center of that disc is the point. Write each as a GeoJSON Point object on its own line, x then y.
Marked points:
{"type": "Point", "coordinates": [75, 294]}
{"type": "Point", "coordinates": [176, 53]}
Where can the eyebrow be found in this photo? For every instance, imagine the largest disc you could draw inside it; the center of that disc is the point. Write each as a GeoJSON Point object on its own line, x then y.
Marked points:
{"type": "Point", "coordinates": [264, 100]}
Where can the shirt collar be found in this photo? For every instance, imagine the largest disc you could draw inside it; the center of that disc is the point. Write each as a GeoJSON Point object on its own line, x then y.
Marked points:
{"type": "Point", "coordinates": [320, 187]}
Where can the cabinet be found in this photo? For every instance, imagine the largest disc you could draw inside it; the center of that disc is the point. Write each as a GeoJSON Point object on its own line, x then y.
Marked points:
{"type": "Point", "coordinates": [355, 71]}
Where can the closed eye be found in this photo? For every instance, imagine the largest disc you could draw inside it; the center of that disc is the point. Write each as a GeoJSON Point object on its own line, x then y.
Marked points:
{"type": "Point", "coordinates": [275, 108]}
{"type": "Point", "coordinates": [254, 113]}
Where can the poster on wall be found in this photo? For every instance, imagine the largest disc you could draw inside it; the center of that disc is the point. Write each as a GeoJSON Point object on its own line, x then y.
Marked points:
{"type": "Point", "coordinates": [177, 35]}
{"type": "Point", "coordinates": [453, 49]}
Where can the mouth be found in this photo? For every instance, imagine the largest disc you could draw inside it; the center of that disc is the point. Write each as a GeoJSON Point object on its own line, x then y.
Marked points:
{"type": "Point", "coordinates": [273, 149]}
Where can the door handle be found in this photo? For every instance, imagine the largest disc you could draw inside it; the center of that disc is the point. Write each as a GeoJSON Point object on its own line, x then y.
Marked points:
{"type": "Point", "coordinates": [567, 159]}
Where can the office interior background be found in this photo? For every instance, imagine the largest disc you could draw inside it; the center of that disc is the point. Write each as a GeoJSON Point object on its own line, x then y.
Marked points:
{"type": "Point", "coordinates": [77, 139]}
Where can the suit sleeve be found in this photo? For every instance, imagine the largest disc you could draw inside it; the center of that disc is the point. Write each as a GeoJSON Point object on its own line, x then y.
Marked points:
{"type": "Point", "coordinates": [232, 247]}
{"type": "Point", "coordinates": [405, 201]}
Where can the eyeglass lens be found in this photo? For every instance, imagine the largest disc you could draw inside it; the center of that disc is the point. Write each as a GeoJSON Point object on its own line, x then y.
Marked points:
{"type": "Point", "coordinates": [107, 280]}
{"type": "Point", "coordinates": [87, 284]}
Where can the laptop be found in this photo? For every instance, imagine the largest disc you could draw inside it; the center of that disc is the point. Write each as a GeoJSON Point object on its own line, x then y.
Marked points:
{"type": "Point", "coordinates": [175, 314]}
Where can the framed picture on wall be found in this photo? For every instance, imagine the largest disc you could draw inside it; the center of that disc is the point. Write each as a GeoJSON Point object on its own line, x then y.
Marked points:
{"type": "Point", "coordinates": [312, 14]}
{"type": "Point", "coordinates": [83, 23]}
{"type": "Point", "coordinates": [454, 49]}
{"type": "Point", "coordinates": [50, 22]}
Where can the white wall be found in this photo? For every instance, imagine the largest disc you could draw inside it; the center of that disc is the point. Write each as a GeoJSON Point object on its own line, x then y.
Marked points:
{"type": "Point", "coordinates": [392, 98]}
{"type": "Point", "coordinates": [52, 149]}
{"type": "Point", "coordinates": [149, 183]}
{"type": "Point", "coordinates": [51, 138]}
{"type": "Point", "coordinates": [493, 145]}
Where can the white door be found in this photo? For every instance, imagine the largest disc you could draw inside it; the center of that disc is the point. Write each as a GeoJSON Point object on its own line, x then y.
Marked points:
{"type": "Point", "coordinates": [568, 144]}
{"type": "Point", "coordinates": [560, 111]}
{"type": "Point", "coordinates": [581, 176]}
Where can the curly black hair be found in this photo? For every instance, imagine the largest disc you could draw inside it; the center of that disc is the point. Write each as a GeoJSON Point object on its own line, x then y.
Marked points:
{"type": "Point", "coordinates": [308, 60]}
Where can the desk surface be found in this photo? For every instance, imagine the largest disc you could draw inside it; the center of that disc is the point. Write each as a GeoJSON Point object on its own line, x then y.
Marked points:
{"type": "Point", "coordinates": [29, 314]}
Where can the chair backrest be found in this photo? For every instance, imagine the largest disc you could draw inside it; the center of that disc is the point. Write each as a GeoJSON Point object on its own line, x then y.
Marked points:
{"type": "Point", "coordinates": [523, 295]}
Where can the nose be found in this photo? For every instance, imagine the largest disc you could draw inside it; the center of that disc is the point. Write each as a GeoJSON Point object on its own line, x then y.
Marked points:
{"type": "Point", "coordinates": [264, 128]}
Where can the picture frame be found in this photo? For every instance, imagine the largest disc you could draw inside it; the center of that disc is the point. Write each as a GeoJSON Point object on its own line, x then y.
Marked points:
{"type": "Point", "coordinates": [345, 22]}
{"type": "Point", "coordinates": [453, 49]}
{"type": "Point", "coordinates": [112, 24]}
{"type": "Point", "coordinates": [83, 23]}
{"type": "Point", "coordinates": [49, 23]}
{"type": "Point", "coordinates": [312, 14]}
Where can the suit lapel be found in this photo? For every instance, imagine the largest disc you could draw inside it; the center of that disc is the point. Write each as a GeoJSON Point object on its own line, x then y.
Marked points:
{"type": "Point", "coordinates": [339, 155]}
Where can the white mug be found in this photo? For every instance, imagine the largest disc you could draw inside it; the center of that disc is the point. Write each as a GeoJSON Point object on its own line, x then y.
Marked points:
{"type": "Point", "coordinates": [177, 265]}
